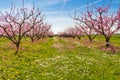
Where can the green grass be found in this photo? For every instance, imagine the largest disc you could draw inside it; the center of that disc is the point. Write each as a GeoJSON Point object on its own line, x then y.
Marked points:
{"type": "Point", "coordinates": [59, 59]}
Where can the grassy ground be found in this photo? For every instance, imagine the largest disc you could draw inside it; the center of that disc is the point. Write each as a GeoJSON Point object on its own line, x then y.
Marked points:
{"type": "Point", "coordinates": [59, 59]}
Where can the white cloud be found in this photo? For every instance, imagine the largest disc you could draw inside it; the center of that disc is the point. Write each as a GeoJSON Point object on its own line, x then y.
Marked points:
{"type": "Point", "coordinates": [60, 23]}
{"type": "Point", "coordinates": [54, 12]}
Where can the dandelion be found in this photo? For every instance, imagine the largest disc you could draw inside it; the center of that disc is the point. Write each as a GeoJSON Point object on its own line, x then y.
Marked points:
{"type": "Point", "coordinates": [17, 72]}
{"type": "Point", "coordinates": [27, 76]}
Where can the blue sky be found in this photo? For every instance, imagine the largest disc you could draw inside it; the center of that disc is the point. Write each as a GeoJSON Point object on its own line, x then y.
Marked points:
{"type": "Point", "coordinates": [58, 11]}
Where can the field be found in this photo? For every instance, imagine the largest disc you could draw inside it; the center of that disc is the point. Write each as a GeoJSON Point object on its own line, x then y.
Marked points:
{"type": "Point", "coordinates": [60, 59]}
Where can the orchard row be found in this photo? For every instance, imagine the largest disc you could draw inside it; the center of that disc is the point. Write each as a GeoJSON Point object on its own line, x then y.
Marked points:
{"type": "Point", "coordinates": [94, 21]}
{"type": "Point", "coordinates": [20, 22]}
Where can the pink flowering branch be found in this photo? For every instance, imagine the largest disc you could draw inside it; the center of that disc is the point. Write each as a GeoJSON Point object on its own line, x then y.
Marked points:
{"type": "Point", "coordinates": [17, 22]}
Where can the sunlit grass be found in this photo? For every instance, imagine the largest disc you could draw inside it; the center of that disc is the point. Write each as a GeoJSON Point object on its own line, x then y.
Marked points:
{"type": "Point", "coordinates": [59, 59]}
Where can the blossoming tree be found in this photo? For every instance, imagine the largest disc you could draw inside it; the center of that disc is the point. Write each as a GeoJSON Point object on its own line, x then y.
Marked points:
{"type": "Point", "coordinates": [17, 22]}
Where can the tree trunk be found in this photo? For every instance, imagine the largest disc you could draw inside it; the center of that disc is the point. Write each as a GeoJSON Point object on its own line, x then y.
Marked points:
{"type": "Point", "coordinates": [32, 40]}
{"type": "Point", "coordinates": [73, 37]}
{"type": "Point", "coordinates": [90, 39]}
{"type": "Point", "coordinates": [79, 37]}
{"type": "Point", "coordinates": [17, 48]}
{"type": "Point", "coordinates": [107, 42]}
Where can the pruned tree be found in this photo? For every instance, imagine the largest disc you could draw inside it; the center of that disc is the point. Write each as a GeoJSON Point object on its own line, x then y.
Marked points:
{"type": "Point", "coordinates": [43, 30]}
{"type": "Point", "coordinates": [16, 23]}
{"type": "Point", "coordinates": [1, 32]}
{"type": "Point", "coordinates": [50, 33]}
{"type": "Point", "coordinates": [83, 22]}
{"type": "Point", "coordinates": [99, 21]}
{"type": "Point", "coordinates": [72, 32]}
{"type": "Point", "coordinates": [40, 30]}
{"type": "Point", "coordinates": [35, 21]}
{"type": "Point", "coordinates": [117, 17]}
{"type": "Point", "coordinates": [104, 24]}
{"type": "Point", "coordinates": [79, 32]}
